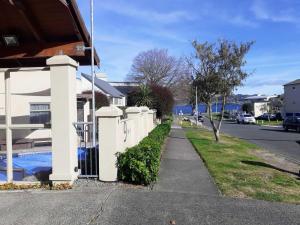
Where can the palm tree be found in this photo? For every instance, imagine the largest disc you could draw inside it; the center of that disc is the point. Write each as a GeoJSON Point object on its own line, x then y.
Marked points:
{"type": "Point", "coordinates": [143, 96]}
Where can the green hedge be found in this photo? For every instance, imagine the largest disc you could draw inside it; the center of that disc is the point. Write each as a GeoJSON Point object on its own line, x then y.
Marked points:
{"type": "Point", "coordinates": [140, 164]}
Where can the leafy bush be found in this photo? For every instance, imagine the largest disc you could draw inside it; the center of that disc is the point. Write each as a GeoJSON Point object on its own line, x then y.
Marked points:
{"type": "Point", "coordinates": [141, 96]}
{"type": "Point", "coordinates": [140, 164]}
{"type": "Point", "coordinates": [163, 100]}
{"type": "Point", "coordinates": [155, 97]}
{"type": "Point", "coordinates": [100, 99]}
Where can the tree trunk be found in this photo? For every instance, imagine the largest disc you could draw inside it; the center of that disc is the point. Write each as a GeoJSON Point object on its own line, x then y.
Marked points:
{"type": "Point", "coordinates": [215, 130]}
{"type": "Point", "coordinates": [222, 113]}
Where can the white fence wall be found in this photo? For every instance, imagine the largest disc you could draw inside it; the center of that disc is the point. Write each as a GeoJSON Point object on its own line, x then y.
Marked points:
{"type": "Point", "coordinates": [116, 135]}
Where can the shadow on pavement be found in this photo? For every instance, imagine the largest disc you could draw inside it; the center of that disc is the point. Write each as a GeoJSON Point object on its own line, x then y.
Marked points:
{"type": "Point", "coordinates": [174, 137]}
{"type": "Point", "coordinates": [277, 130]}
{"type": "Point", "coordinates": [262, 164]}
{"type": "Point", "coordinates": [229, 121]}
{"type": "Point", "coordinates": [264, 139]}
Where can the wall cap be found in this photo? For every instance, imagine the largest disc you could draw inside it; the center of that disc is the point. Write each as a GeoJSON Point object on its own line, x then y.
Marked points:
{"type": "Point", "coordinates": [133, 110]}
{"type": "Point", "coordinates": [61, 60]}
{"type": "Point", "coordinates": [109, 111]}
{"type": "Point", "coordinates": [144, 109]}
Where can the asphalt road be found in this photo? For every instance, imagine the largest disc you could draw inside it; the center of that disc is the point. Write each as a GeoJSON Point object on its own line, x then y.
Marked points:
{"type": "Point", "coordinates": [276, 140]}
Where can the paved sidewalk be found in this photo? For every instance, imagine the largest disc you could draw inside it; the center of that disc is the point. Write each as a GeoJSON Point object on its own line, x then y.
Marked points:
{"type": "Point", "coordinates": [182, 170]}
{"type": "Point", "coordinates": [185, 194]}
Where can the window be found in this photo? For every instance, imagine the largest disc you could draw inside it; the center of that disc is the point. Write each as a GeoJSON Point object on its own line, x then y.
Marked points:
{"type": "Point", "coordinates": [40, 113]}
{"type": "Point", "coordinates": [117, 101]}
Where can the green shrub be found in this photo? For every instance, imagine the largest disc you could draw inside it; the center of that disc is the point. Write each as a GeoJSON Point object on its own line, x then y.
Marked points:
{"type": "Point", "coordinates": [140, 164]}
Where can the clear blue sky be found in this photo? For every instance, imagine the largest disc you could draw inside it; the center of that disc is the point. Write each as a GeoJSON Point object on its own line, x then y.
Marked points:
{"type": "Point", "coordinates": [124, 28]}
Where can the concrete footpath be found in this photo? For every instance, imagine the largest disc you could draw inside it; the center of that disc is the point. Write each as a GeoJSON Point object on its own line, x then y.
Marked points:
{"type": "Point", "coordinates": [185, 194]}
{"type": "Point", "coordinates": [181, 169]}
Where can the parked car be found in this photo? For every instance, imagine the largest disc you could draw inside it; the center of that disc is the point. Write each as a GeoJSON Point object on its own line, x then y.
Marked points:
{"type": "Point", "coordinates": [200, 118]}
{"type": "Point", "coordinates": [278, 116]}
{"type": "Point", "coordinates": [266, 116]}
{"type": "Point", "coordinates": [291, 123]}
{"type": "Point", "coordinates": [245, 118]}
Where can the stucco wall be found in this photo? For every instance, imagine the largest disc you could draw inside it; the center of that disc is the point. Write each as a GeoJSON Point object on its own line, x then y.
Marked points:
{"type": "Point", "coordinates": [23, 83]}
{"type": "Point", "coordinates": [291, 102]}
{"type": "Point", "coordinates": [260, 108]}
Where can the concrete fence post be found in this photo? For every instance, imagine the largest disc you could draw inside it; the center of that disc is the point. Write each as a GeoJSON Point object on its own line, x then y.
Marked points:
{"type": "Point", "coordinates": [150, 120]}
{"type": "Point", "coordinates": [63, 115]}
{"type": "Point", "coordinates": [145, 120]}
{"type": "Point", "coordinates": [110, 141]}
{"type": "Point", "coordinates": [8, 122]}
{"type": "Point", "coordinates": [154, 118]}
{"type": "Point", "coordinates": [134, 113]}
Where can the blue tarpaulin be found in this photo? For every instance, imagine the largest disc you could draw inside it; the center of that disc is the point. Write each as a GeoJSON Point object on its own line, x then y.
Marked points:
{"type": "Point", "coordinates": [31, 164]}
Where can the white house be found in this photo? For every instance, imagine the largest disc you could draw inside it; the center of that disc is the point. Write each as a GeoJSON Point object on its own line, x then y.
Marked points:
{"type": "Point", "coordinates": [30, 97]}
{"type": "Point", "coordinates": [114, 96]}
{"type": "Point", "coordinates": [291, 101]}
{"type": "Point", "coordinates": [260, 103]}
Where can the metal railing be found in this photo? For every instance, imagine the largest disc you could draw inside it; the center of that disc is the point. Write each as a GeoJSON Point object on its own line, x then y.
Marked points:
{"type": "Point", "coordinates": [87, 154]}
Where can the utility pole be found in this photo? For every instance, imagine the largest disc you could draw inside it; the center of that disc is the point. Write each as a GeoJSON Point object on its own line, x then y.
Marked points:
{"type": "Point", "coordinates": [196, 105]}
{"type": "Point", "coordinates": [216, 104]}
{"type": "Point", "coordinates": [93, 73]}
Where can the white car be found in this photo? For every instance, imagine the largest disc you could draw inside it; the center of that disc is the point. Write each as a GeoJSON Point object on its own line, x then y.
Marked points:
{"type": "Point", "coordinates": [245, 118]}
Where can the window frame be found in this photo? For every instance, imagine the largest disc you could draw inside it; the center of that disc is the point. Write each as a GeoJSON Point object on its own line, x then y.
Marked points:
{"type": "Point", "coordinates": [39, 111]}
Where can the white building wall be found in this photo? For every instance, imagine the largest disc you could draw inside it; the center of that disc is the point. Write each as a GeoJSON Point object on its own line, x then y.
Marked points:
{"type": "Point", "coordinates": [260, 108]}
{"type": "Point", "coordinates": [291, 102]}
{"type": "Point", "coordinates": [22, 83]}
{"type": "Point", "coordinates": [85, 85]}
{"type": "Point", "coordinates": [30, 82]}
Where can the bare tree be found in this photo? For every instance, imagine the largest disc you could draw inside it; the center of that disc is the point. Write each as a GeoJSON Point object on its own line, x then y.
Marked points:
{"type": "Point", "coordinates": [218, 72]}
{"type": "Point", "coordinates": [157, 67]}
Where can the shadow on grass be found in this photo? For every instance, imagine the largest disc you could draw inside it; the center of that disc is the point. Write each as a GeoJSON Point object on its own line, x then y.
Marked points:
{"type": "Point", "coordinates": [198, 139]}
{"type": "Point", "coordinates": [262, 164]}
{"type": "Point", "coordinates": [174, 137]}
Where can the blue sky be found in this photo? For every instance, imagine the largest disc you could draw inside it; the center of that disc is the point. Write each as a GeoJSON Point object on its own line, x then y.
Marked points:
{"type": "Point", "coordinates": [124, 28]}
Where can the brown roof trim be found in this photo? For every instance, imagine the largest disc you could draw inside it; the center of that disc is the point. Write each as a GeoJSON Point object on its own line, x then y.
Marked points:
{"type": "Point", "coordinates": [43, 28]}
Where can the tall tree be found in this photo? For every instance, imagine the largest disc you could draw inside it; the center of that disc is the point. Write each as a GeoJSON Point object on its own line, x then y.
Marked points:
{"type": "Point", "coordinates": [157, 67]}
{"type": "Point", "coordinates": [218, 71]}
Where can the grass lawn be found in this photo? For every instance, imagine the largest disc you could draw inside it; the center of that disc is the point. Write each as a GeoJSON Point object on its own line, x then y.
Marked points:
{"type": "Point", "coordinates": [271, 123]}
{"type": "Point", "coordinates": [238, 173]}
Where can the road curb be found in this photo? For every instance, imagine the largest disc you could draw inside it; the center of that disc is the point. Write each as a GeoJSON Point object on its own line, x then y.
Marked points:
{"type": "Point", "coordinates": [270, 126]}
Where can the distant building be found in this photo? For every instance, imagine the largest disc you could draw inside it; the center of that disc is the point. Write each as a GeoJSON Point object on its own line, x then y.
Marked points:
{"type": "Point", "coordinates": [114, 96]}
{"type": "Point", "coordinates": [291, 100]}
{"type": "Point", "coordinates": [260, 103]}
